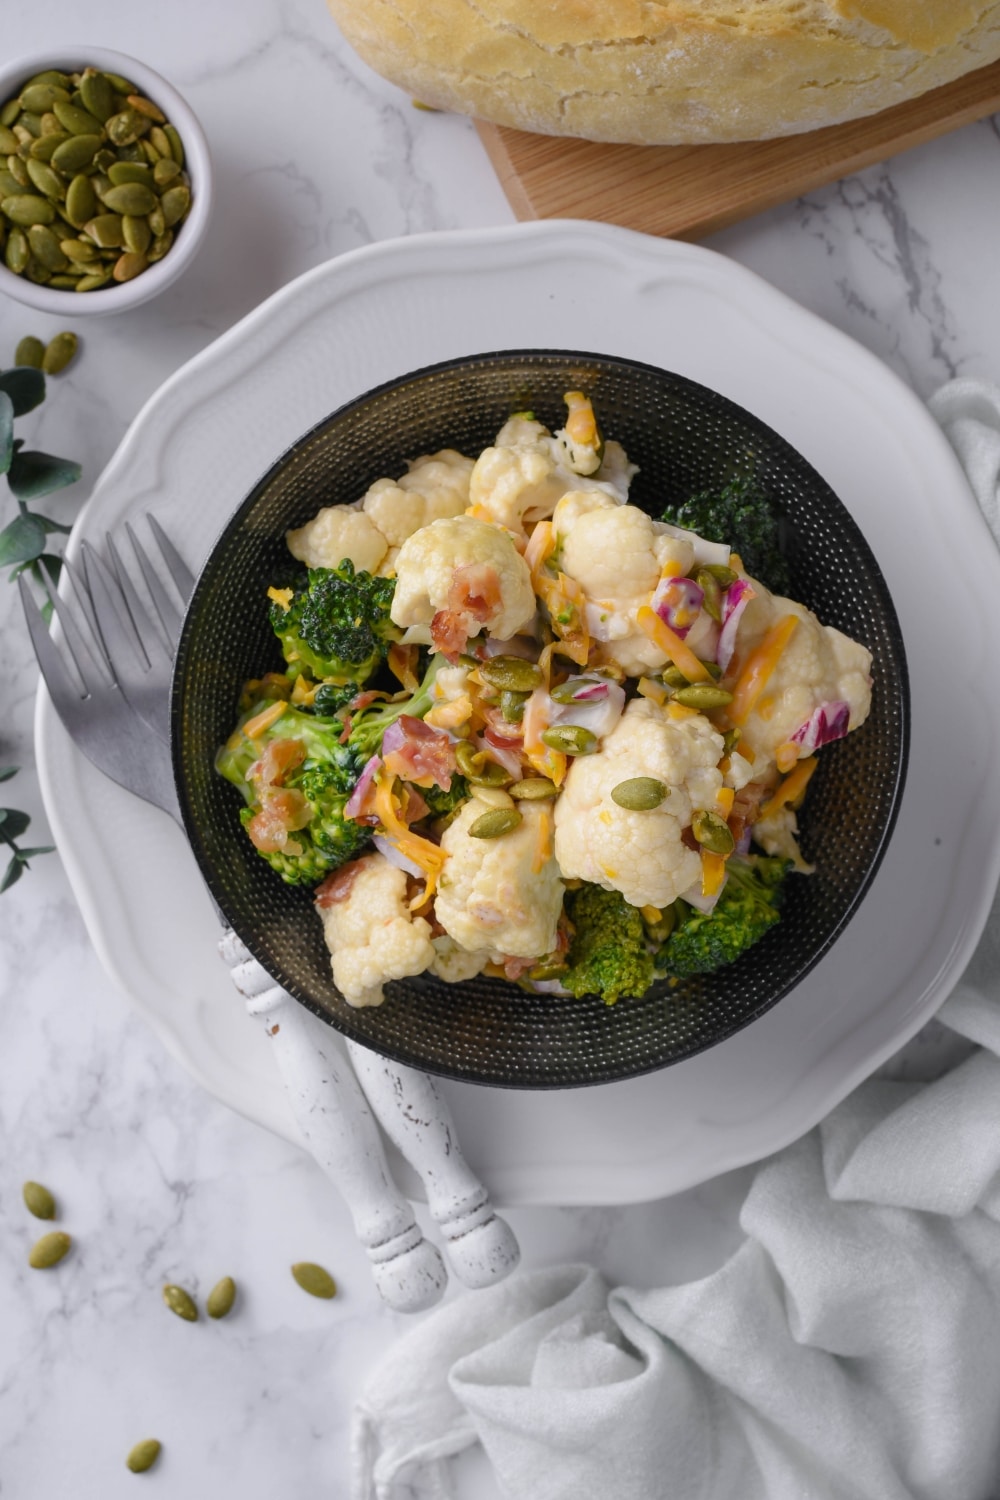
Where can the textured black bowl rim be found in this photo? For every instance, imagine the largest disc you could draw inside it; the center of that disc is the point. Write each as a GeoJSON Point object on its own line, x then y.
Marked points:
{"type": "Point", "coordinates": [796, 464]}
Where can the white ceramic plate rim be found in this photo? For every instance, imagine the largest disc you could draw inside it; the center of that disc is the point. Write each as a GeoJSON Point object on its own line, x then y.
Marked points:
{"type": "Point", "coordinates": [582, 286]}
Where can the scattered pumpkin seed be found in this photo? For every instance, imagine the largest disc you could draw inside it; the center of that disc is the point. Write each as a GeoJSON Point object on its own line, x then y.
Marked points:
{"type": "Point", "coordinates": [31, 351]}
{"type": "Point", "coordinates": [79, 148]}
{"type": "Point", "coordinates": [314, 1279]}
{"type": "Point", "coordinates": [512, 705]}
{"type": "Point", "coordinates": [639, 793]}
{"type": "Point", "coordinates": [570, 739]}
{"type": "Point", "coordinates": [565, 692]}
{"type": "Point", "coordinates": [730, 740]}
{"type": "Point", "coordinates": [59, 351]}
{"type": "Point", "coordinates": [533, 789]}
{"type": "Point", "coordinates": [703, 696]}
{"type": "Point", "coordinates": [180, 1302]}
{"type": "Point", "coordinates": [495, 823]}
{"type": "Point", "coordinates": [144, 1455]}
{"type": "Point", "coordinates": [37, 1199]}
{"type": "Point", "coordinates": [492, 796]}
{"type": "Point", "coordinates": [219, 1302]}
{"type": "Point", "coordinates": [712, 833]}
{"type": "Point", "coordinates": [711, 601]}
{"type": "Point", "coordinates": [49, 1250]}
{"type": "Point", "coordinates": [499, 672]}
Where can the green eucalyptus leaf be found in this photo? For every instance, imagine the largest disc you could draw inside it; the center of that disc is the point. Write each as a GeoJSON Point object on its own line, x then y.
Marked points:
{"type": "Point", "coordinates": [6, 772]}
{"type": "Point", "coordinates": [35, 474]}
{"type": "Point", "coordinates": [27, 854]}
{"type": "Point", "coordinates": [25, 387]}
{"type": "Point", "coordinates": [13, 873]}
{"type": "Point", "coordinates": [15, 823]}
{"type": "Point", "coordinates": [51, 526]}
{"type": "Point", "coordinates": [6, 431]}
{"type": "Point", "coordinates": [22, 540]}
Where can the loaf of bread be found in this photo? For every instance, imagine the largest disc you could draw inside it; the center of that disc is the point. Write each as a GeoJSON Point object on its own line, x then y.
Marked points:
{"type": "Point", "coordinates": [662, 72]}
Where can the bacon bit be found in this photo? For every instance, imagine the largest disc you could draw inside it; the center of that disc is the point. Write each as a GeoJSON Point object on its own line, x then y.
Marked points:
{"type": "Point", "coordinates": [419, 753]}
{"type": "Point", "coordinates": [515, 968]}
{"type": "Point", "coordinates": [759, 667]}
{"type": "Point", "coordinates": [670, 643]}
{"type": "Point", "coordinates": [475, 590]}
{"type": "Point", "coordinates": [255, 727]}
{"type": "Point", "coordinates": [284, 811]}
{"type": "Point", "coordinates": [502, 739]}
{"type": "Point", "coordinates": [689, 841]}
{"type": "Point", "coordinates": [792, 789]}
{"type": "Point", "coordinates": [279, 757]}
{"type": "Point", "coordinates": [449, 633]}
{"type": "Point", "coordinates": [413, 806]}
{"type": "Point", "coordinates": [337, 885]}
{"type": "Point", "coordinates": [745, 809]}
{"type": "Point", "coordinates": [402, 663]}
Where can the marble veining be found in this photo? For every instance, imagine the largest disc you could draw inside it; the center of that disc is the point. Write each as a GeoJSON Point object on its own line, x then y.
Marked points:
{"type": "Point", "coordinates": [155, 1179]}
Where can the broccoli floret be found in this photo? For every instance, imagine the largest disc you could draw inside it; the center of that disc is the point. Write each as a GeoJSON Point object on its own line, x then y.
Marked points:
{"type": "Point", "coordinates": [749, 906]}
{"type": "Point", "coordinates": [441, 803]}
{"type": "Point", "coordinates": [334, 623]}
{"type": "Point", "coordinates": [329, 699]}
{"type": "Point", "coordinates": [325, 777]}
{"type": "Point", "coordinates": [744, 515]}
{"type": "Point", "coordinates": [608, 955]}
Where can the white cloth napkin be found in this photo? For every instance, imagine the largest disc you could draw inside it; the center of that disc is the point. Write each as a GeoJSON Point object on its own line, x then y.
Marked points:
{"type": "Point", "coordinates": [848, 1350]}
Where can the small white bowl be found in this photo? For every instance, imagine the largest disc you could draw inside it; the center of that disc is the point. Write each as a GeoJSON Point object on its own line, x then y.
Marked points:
{"type": "Point", "coordinates": [197, 163]}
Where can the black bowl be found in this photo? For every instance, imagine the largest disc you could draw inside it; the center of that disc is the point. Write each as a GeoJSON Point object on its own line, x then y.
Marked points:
{"type": "Point", "coordinates": [684, 437]}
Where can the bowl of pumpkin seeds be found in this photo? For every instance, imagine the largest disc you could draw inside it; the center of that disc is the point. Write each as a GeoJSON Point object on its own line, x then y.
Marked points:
{"type": "Point", "coordinates": [105, 181]}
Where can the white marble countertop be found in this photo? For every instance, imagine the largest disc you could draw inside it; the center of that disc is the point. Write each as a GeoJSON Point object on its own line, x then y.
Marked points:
{"type": "Point", "coordinates": [155, 1179]}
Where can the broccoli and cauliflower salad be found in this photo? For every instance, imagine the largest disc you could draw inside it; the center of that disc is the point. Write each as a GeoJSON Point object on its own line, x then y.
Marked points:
{"type": "Point", "coordinates": [525, 730]}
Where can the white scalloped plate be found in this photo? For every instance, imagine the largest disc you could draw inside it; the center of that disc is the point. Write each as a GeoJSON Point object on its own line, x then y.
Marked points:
{"type": "Point", "coordinates": [211, 431]}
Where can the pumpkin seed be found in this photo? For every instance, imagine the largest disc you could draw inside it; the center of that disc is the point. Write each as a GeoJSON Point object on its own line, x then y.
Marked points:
{"type": "Point", "coordinates": [713, 833]}
{"type": "Point", "coordinates": [119, 84]}
{"type": "Point", "coordinates": [136, 233]}
{"type": "Point", "coordinates": [37, 1199]}
{"type": "Point", "coordinates": [499, 672]}
{"type": "Point", "coordinates": [129, 265]}
{"type": "Point", "coordinates": [180, 1302]}
{"type": "Point", "coordinates": [673, 677]}
{"type": "Point", "coordinates": [125, 128]}
{"type": "Point", "coordinates": [79, 251]}
{"type": "Point", "coordinates": [97, 94]}
{"type": "Point", "coordinates": [8, 140]}
{"type": "Point", "coordinates": [165, 170]}
{"type": "Point", "coordinates": [25, 209]}
{"type": "Point", "coordinates": [711, 601]}
{"type": "Point", "coordinates": [106, 231]}
{"type": "Point", "coordinates": [533, 789]}
{"type": "Point", "coordinates": [730, 740]}
{"type": "Point", "coordinates": [65, 280]}
{"type": "Point", "coordinates": [45, 180]}
{"type": "Point", "coordinates": [76, 153]}
{"type": "Point", "coordinates": [45, 248]}
{"type": "Point", "coordinates": [492, 796]}
{"type": "Point", "coordinates": [49, 1250]}
{"type": "Point", "coordinates": [130, 171]}
{"type": "Point", "coordinates": [570, 739]}
{"type": "Point", "coordinates": [37, 273]}
{"type": "Point", "coordinates": [10, 112]}
{"type": "Point", "coordinates": [17, 252]}
{"type": "Point", "coordinates": [91, 283]}
{"type": "Point", "coordinates": [45, 148]}
{"type": "Point", "coordinates": [639, 793]}
{"type": "Point", "coordinates": [147, 107]}
{"type": "Point", "coordinates": [314, 1279]}
{"type": "Point", "coordinates": [30, 351]}
{"type": "Point", "coordinates": [219, 1302]}
{"type": "Point", "coordinates": [495, 823]}
{"type": "Point", "coordinates": [8, 183]}
{"type": "Point", "coordinates": [565, 692]}
{"type": "Point", "coordinates": [512, 705]}
{"type": "Point", "coordinates": [39, 97]}
{"type": "Point", "coordinates": [723, 576]}
{"type": "Point", "coordinates": [50, 75]}
{"type": "Point", "coordinates": [130, 198]}
{"type": "Point", "coordinates": [144, 1455]}
{"type": "Point", "coordinates": [703, 696]}
{"type": "Point", "coordinates": [159, 138]}
{"type": "Point", "coordinates": [175, 143]}
{"type": "Point", "coordinates": [81, 201]}
{"type": "Point", "coordinates": [30, 124]}
{"type": "Point", "coordinates": [59, 352]}
{"type": "Point", "coordinates": [160, 246]}
{"type": "Point", "coordinates": [175, 203]}
{"type": "Point", "coordinates": [17, 169]}
{"type": "Point", "coordinates": [157, 222]}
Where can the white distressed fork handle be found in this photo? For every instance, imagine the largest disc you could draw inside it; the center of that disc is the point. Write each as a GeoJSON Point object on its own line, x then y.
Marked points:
{"type": "Point", "coordinates": [481, 1246]}
{"type": "Point", "coordinates": [335, 1120]}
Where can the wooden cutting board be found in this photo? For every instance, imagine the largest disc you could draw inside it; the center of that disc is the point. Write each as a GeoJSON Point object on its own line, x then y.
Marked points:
{"type": "Point", "coordinates": [688, 191]}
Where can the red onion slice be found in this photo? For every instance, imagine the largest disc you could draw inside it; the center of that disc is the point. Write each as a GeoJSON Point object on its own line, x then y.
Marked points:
{"type": "Point", "coordinates": [355, 804]}
{"type": "Point", "coordinates": [693, 896]}
{"type": "Point", "coordinates": [734, 602]}
{"type": "Point", "coordinates": [598, 714]}
{"type": "Point", "coordinates": [828, 722]}
{"type": "Point", "coordinates": [677, 601]}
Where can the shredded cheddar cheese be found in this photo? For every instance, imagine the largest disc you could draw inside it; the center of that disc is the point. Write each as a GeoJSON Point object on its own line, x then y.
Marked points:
{"type": "Point", "coordinates": [759, 668]}
{"type": "Point", "coordinates": [670, 643]}
{"type": "Point", "coordinates": [791, 789]}
{"type": "Point", "coordinates": [713, 872]}
{"type": "Point", "coordinates": [255, 727]}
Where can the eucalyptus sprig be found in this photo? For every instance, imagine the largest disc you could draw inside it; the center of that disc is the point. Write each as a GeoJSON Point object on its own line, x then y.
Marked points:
{"type": "Point", "coordinates": [13, 826]}
{"type": "Point", "coordinates": [24, 541]}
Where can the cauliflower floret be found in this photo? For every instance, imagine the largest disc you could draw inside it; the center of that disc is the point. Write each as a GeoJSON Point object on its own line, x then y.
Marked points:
{"type": "Point", "coordinates": [491, 899]}
{"type": "Point", "coordinates": [435, 485]}
{"type": "Point", "coordinates": [453, 963]}
{"type": "Point", "coordinates": [369, 930]}
{"type": "Point", "coordinates": [458, 576]}
{"type": "Point", "coordinates": [818, 665]}
{"type": "Point", "coordinates": [639, 854]}
{"type": "Point", "coordinates": [336, 532]}
{"type": "Point", "coordinates": [617, 554]}
{"type": "Point", "coordinates": [514, 485]}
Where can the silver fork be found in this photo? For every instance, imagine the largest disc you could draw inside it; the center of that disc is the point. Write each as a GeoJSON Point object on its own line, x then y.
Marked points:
{"type": "Point", "coordinates": [332, 1099]}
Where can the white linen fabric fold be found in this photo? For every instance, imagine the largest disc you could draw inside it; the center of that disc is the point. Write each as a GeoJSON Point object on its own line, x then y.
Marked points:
{"type": "Point", "coordinates": [848, 1350]}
